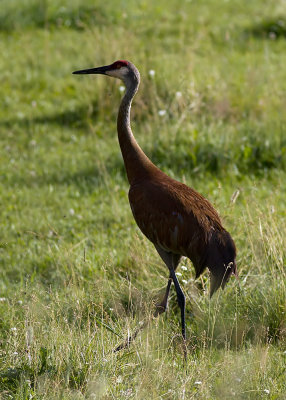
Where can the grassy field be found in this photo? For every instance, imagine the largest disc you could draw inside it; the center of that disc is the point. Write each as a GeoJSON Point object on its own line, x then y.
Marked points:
{"type": "Point", "coordinates": [76, 274]}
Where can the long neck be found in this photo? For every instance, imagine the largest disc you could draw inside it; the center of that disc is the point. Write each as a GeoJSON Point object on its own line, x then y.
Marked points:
{"type": "Point", "coordinates": [137, 164]}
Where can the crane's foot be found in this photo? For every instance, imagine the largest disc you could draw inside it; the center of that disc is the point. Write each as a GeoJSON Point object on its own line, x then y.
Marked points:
{"type": "Point", "coordinates": [130, 338]}
{"type": "Point", "coordinates": [160, 309]}
{"type": "Point", "coordinates": [162, 306]}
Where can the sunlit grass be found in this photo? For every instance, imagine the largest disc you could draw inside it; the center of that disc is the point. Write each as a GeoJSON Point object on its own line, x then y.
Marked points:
{"type": "Point", "coordinates": [76, 273]}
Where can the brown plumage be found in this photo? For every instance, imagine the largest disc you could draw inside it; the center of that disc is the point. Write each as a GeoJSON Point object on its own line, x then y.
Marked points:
{"type": "Point", "coordinates": [175, 218]}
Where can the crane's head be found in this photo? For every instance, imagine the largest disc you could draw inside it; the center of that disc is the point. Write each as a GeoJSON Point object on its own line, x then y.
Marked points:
{"type": "Point", "coordinates": [120, 69]}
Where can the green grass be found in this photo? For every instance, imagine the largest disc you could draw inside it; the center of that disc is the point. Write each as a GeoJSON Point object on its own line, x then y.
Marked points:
{"type": "Point", "coordinates": [76, 274]}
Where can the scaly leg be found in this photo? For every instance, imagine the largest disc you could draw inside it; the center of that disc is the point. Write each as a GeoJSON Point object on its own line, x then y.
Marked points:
{"type": "Point", "coordinates": [162, 306]}
{"type": "Point", "coordinates": [172, 260]}
{"type": "Point", "coordinates": [181, 301]}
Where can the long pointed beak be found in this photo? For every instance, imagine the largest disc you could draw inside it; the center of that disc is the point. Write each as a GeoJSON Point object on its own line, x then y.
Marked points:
{"type": "Point", "coordinates": [99, 70]}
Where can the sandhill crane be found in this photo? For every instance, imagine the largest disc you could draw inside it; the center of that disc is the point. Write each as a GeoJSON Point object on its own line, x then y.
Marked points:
{"type": "Point", "coordinates": [175, 218]}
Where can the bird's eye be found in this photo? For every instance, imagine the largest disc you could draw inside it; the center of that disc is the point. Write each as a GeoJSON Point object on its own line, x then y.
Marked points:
{"type": "Point", "coordinates": [118, 66]}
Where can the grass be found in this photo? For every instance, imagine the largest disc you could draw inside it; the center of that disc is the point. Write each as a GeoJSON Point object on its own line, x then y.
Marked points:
{"type": "Point", "coordinates": [76, 274]}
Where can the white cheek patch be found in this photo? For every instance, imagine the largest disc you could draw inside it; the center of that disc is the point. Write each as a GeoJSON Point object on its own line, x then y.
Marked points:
{"type": "Point", "coordinates": [118, 73]}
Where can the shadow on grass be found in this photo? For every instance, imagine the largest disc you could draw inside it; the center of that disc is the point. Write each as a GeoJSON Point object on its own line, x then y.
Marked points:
{"type": "Point", "coordinates": [81, 117]}
{"type": "Point", "coordinates": [40, 15]}
{"type": "Point", "coordinates": [86, 180]}
{"type": "Point", "coordinates": [255, 156]}
{"type": "Point", "coordinates": [252, 160]}
{"type": "Point", "coordinates": [24, 376]}
{"type": "Point", "coordinates": [11, 377]}
{"type": "Point", "coordinates": [270, 28]}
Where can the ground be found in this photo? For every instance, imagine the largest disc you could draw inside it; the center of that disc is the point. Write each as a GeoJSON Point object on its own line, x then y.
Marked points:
{"type": "Point", "coordinates": [76, 274]}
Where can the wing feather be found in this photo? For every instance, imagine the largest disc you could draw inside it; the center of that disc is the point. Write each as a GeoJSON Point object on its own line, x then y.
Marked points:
{"type": "Point", "coordinates": [174, 216]}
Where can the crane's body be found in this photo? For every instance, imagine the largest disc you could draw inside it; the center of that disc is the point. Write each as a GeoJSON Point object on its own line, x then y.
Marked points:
{"type": "Point", "coordinates": [175, 218]}
{"type": "Point", "coordinates": [179, 220]}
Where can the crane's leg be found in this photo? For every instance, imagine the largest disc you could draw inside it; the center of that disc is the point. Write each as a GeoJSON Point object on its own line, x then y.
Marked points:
{"type": "Point", "coordinates": [172, 261]}
{"type": "Point", "coordinates": [181, 301]}
{"type": "Point", "coordinates": [130, 338]}
{"type": "Point", "coordinates": [162, 306]}
{"type": "Point", "coordinates": [169, 259]}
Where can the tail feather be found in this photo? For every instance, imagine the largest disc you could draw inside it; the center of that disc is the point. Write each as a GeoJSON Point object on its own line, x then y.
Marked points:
{"type": "Point", "coordinates": [221, 259]}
